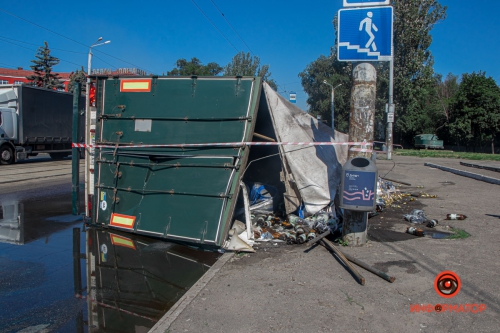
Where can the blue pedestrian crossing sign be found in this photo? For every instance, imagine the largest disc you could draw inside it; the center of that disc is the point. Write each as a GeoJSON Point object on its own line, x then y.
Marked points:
{"type": "Point", "coordinates": [365, 34]}
{"type": "Point", "coordinates": [361, 3]}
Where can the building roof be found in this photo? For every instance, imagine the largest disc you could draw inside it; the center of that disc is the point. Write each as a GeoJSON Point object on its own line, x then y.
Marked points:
{"type": "Point", "coordinates": [22, 73]}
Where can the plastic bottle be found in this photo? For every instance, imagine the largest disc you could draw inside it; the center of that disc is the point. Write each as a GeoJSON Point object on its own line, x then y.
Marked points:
{"type": "Point", "coordinates": [257, 232]}
{"type": "Point", "coordinates": [291, 238]}
{"type": "Point", "coordinates": [455, 217]}
{"type": "Point", "coordinates": [294, 219]}
{"type": "Point", "coordinates": [311, 235]}
{"type": "Point", "coordinates": [299, 230]}
{"type": "Point", "coordinates": [432, 223]}
{"type": "Point", "coordinates": [301, 238]}
{"type": "Point", "coordinates": [414, 231]}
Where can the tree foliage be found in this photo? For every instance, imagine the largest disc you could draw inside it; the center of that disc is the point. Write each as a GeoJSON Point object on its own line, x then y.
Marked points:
{"type": "Point", "coordinates": [414, 80]}
{"type": "Point", "coordinates": [445, 93]}
{"type": "Point", "coordinates": [476, 110]}
{"type": "Point", "coordinates": [77, 76]}
{"type": "Point", "coordinates": [195, 67]}
{"type": "Point", "coordinates": [42, 68]}
{"type": "Point", "coordinates": [244, 64]}
{"type": "Point", "coordinates": [319, 94]}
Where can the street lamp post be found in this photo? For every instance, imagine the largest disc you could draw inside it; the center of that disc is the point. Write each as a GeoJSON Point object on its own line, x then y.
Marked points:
{"type": "Point", "coordinates": [88, 127]}
{"type": "Point", "coordinates": [333, 103]}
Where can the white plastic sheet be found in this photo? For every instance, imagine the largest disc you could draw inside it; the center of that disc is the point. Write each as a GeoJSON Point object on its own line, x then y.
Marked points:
{"type": "Point", "coordinates": [315, 169]}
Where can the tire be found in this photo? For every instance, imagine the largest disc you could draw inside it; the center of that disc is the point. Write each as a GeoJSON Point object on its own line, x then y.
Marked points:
{"type": "Point", "coordinates": [58, 156]}
{"type": "Point", "coordinates": [6, 155]}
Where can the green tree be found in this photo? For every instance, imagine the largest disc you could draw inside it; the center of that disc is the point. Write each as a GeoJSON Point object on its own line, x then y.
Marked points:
{"type": "Point", "coordinates": [195, 67]}
{"type": "Point", "coordinates": [319, 94]}
{"type": "Point", "coordinates": [42, 68]}
{"type": "Point", "coordinates": [78, 76]}
{"type": "Point", "coordinates": [414, 82]}
{"type": "Point", "coordinates": [246, 65]}
{"type": "Point", "coordinates": [476, 111]}
{"type": "Point", "coordinates": [413, 63]}
{"type": "Point", "coordinates": [444, 98]}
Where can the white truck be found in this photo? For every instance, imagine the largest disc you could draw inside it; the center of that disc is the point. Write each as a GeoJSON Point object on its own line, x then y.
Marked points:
{"type": "Point", "coordinates": [34, 120]}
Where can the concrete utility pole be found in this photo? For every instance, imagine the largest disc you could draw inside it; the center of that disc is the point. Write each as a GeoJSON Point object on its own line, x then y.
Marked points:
{"type": "Point", "coordinates": [390, 114]}
{"type": "Point", "coordinates": [361, 128]}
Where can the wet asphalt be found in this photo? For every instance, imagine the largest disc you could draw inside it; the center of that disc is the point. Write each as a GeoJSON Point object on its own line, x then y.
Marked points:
{"type": "Point", "coordinates": [51, 281]}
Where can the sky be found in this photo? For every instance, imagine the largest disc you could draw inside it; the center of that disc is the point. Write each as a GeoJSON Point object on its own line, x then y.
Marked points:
{"type": "Point", "coordinates": [152, 35]}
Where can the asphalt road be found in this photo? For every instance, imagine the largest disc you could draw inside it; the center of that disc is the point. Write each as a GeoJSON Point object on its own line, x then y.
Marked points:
{"type": "Point", "coordinates": [36, 242]}
{"type": "Point", "coordinates": [40, 169]}
{"type": "Point", "coordinates": [284, 288]}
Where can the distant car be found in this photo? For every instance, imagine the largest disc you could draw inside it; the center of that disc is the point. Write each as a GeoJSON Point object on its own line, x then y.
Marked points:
{"type": "Point", "coordinates": [427, 141]}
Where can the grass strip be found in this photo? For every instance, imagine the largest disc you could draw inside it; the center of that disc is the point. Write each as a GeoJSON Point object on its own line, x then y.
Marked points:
{"type": "Point", "coordinates": [458, 234]}
{"type": "Point", "coordinates": [446, 154]}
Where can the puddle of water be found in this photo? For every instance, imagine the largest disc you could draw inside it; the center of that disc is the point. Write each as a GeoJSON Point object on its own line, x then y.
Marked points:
{"type": "Point", "coordinates": [133, 281]}
{"type": "Point", "coordinates": [66, 218]}
{"type": "Point", "coordinates": [437, 234]}
{"type": "Point", "coordinates": [51, 271]}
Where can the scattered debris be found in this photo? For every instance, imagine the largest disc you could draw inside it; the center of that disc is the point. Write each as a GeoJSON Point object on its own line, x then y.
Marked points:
{"type": "Point", "coordinates": [416, 216]}
{"type": "Point", "coordinates": [432, 223]}
{"type": "Point", "coordinates": [415, 231]}
{"type": "Point", "coordinates": [370, 268]}
{"type": "Point", "coordinates": [456, 216]}
{"type": "Point", "coordinates": [346, 262]}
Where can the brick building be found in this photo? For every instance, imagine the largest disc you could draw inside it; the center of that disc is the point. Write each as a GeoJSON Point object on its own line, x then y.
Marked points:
{"type": "Point", "coordinates": [18, 76]}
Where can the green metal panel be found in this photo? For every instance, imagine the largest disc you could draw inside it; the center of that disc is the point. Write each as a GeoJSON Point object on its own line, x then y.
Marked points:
{"type": "Point", "coordinates": [184, 194]}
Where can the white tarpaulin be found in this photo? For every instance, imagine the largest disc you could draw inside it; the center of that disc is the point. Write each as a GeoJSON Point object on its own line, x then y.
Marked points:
{"type": "Point", "coordinates": [316, 170]}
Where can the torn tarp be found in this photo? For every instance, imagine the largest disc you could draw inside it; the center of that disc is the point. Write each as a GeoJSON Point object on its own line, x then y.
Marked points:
{"type": "Point", "coordinates": [315, 170]}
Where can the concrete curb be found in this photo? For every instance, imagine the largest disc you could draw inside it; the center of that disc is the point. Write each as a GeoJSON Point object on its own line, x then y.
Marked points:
{"type": "Point", "coordinates": [479, 166]}
{"type": "Point", "coordinates": [164, 323]}
{"type": "Point", "coordinates": [466, 174]}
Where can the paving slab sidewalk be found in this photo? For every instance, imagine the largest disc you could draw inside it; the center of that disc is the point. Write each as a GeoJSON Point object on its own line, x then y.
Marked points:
{"type": "Point", "coordinates": [284, 289]}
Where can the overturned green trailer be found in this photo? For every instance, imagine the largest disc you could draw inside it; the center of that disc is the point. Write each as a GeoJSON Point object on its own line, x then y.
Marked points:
{"type": "Point", "coordinates": [177, 193]}
{"type": "Point", "coordinates": [170, 157]}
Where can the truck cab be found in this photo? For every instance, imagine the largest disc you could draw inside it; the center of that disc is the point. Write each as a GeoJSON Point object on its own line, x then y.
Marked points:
{"type": "Point", "coordinates": [8, 132]}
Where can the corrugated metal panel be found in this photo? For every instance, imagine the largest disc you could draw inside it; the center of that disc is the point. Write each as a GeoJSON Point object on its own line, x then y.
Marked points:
{"type": "Point", "coordinates": [175, 193]}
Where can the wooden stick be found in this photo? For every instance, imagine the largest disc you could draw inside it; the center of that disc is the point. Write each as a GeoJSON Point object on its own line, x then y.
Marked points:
{"type": "Point", "coordinates": [264, 137]}
{"type": "Point", "coordinates": [346, 262]}
{"type": "Point", "coordinates": [370, 268]}
{"type": "Point", "coordinates": [318, 238]}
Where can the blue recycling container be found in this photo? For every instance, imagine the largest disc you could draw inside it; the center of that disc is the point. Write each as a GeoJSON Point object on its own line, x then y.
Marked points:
{"type": "Point", "coordinates": [358, 186]}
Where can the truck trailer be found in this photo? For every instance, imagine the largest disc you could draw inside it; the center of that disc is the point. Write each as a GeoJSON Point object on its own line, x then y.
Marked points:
{"type": "Point", "coordinates": [147, 184]}
{"type": "Point", "coordinates": [34, 120]}
{"type": "Point", "coordinates": [167, 155]}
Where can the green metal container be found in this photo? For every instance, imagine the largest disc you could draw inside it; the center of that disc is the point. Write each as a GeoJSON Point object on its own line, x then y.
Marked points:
{"type": "Point", "coordinates": [428, 141]}
{"type": "Point", "coordinates": [184, 194]}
